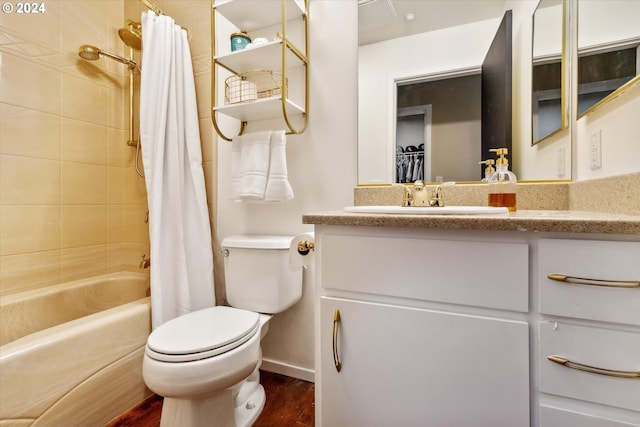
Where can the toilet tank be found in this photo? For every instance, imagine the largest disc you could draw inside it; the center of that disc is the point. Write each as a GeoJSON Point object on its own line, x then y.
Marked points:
{"type": "Point", "coordinates": [257, 273]}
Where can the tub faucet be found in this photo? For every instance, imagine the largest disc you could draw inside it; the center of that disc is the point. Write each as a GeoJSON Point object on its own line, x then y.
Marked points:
{"type": "Point", "coordinates": [146, 262]}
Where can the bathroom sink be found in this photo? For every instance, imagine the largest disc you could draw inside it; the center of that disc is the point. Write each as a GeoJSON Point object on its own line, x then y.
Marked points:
{"type": "Point", "coordinates": [419, 210]}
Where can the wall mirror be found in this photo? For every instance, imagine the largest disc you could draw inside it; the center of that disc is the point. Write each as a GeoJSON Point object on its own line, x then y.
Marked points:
{"type": "Point", "coordinates": [549, 112]}
{"type": "Point", "coordinates": [608, 50]}
{"type": "Point", "coordinates": [453, 44]}
{"type": "Point", "coordinates": [447, 124]}
{"type": "Point", "coordinates": [455, 41]}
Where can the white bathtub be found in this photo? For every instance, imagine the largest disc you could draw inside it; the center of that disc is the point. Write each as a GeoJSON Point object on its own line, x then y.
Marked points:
{"type": "Point", "coordinates": [71, 354]}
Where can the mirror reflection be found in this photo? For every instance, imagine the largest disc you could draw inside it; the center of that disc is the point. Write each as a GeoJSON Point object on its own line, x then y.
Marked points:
{"type": "Point", "coordinates": [438, 119]}
{"type": "Point", "coordinates": [548, 106]}
{"type": "Point", "coordinates": [388, 67]}
{"type": "Point", "coordinates": [446, 125]}
{"type": "Point", "coordinates": [608, 47]}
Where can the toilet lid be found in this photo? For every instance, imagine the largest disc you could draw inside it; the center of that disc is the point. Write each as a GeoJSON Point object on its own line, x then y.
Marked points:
{"type": "Point", "coordinates": [201, 334]}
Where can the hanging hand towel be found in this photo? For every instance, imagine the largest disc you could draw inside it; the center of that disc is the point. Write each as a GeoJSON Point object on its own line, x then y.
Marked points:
{"type": "Point", "coordinates": [250, 165]}
{"type": "Point", "coordinates": [278, 187]}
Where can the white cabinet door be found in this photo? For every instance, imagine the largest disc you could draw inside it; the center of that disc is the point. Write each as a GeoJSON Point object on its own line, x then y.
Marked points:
{"type": "Point", "coordinates": [414, 367]}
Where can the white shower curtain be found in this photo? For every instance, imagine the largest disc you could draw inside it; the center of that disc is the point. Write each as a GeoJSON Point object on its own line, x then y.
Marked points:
{"type": "Point", "coordinates": [179, 230]}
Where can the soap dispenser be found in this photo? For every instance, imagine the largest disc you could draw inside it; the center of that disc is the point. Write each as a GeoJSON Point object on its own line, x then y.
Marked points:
{"type": "Point", "coordinates": [489, 169]}
{"type": "Point", "coordinates": [502, 183]}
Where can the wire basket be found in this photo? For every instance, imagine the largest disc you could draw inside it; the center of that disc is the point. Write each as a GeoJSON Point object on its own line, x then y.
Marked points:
{"type": "Point", "coordinates": [252, 85]}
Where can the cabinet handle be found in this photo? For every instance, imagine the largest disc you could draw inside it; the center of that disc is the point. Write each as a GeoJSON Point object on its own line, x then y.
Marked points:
{"type": "Point", "coordinates": [593, 369]}
{"type": "Point", "coordinates": [334, 336]}
{"type": "Point", "coordinates": [595, 282]}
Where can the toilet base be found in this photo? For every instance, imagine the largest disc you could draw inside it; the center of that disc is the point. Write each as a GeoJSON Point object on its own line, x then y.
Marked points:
{"type": "Point", "coordinates": [232, 407]}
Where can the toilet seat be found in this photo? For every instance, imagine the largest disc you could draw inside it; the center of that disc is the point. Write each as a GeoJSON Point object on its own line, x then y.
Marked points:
{"type": "Point", "coordinates": [202, 334]}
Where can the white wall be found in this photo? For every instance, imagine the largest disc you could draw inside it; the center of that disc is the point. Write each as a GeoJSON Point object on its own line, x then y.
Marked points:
{"type": "Point", "coordinates": [619, 125]}
{"type": "Point", "coordinates": [321, 166]}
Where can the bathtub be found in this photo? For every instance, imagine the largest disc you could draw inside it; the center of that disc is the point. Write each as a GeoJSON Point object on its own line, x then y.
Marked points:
{"type": "Point", "coordinates": [71, 354]}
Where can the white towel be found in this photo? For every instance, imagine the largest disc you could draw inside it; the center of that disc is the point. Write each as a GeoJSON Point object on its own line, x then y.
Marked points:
{"type": "Point", "coordinates": [259, 167]}
{"type": "Point", "coordinates": [250, 157]}
{"type": "Point", "coordinates": [278, 187]}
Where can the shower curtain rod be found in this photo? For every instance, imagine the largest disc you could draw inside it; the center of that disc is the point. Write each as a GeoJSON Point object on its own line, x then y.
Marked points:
{"type": "Point", "coordinates": [158, 11]}
{"type": "Point", "coordinates": [153, 7]}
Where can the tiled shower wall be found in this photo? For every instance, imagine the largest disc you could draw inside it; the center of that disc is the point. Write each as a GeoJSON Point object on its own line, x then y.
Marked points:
{"type": "Point", "coordinates": [71, 203]}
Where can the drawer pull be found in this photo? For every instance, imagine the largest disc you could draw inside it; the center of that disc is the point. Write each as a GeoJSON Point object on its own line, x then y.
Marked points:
{"type": "Point", "coordinates": [334, 336]}
{"type": "Point", "coordinates": [595, 282]}
{"type": "Point", "coordinates": [593, 369]}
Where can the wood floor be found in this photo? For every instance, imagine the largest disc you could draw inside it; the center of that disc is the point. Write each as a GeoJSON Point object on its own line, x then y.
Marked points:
{"type": "Point", "coordinates": [290, 403]}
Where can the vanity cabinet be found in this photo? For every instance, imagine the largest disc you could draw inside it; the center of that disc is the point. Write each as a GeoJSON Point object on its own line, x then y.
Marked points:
{"type": "Point", "coordinates": [436, 327]}
{"type": "Point", "coordinates": [593, 322]}
{"type": "Point", "coordinates": [425, 330]}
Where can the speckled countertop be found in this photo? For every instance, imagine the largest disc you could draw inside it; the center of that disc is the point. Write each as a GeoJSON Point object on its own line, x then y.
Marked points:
{"type": "Point", "coordinates": [609, 205]}
{"type": "Point", "coordinates": [560, 221]}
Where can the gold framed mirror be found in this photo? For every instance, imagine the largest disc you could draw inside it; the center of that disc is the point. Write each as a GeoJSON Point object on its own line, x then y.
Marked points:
{"type": "Point", "coordinates": [608, 45]}
{"type": "Point", "coordinates": [549, 106]}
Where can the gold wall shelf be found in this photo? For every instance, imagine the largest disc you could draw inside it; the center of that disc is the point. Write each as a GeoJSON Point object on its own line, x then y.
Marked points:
{"type": "Point", "coordinates": [280, 55]}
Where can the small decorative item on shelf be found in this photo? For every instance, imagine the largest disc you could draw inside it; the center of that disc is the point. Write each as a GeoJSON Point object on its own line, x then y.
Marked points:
{"type": "Point", "coordinates": [252, 85]}
{"type": "Point", "coordinates": [239, 41]}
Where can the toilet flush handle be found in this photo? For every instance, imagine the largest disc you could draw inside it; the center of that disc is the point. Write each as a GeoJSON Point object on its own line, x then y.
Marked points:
{"type": "Point", "coordinates": [304, 247]}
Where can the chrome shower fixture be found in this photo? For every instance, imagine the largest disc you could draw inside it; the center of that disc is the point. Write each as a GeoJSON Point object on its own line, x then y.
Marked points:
{"type": "Point", "coordinates": [132, 35]}
{"type": "Point", "coordinates": [92, 53]}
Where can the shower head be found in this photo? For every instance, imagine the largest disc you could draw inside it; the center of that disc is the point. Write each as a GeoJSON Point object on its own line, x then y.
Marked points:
{"type": "Point", "coordinates": [92, 53]}
{"type": "Point", "coordinates": [132, 35]}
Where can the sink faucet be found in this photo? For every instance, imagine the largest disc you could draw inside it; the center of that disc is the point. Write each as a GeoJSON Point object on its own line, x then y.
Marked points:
{"type": "Point", "coordinates": [436, 197]}
{"type": "Point", "coordinates": [407, 199]}
{"type": "Point", "coordinates": [418, 196]}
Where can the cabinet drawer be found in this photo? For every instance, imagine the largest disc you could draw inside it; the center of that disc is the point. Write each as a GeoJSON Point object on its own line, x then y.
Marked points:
{"type": "Point", "coordinates": [599, 260]}
{"type": "Point", "coordinates": [596, 347]}
{"type": "Point", "coordinates": [557, 417]}
{"type": "Point", "coordinates": [484, 274]}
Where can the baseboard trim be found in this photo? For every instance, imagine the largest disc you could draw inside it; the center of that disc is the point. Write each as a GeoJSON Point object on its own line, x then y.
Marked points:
{"type": "Point", "coordinates": [288, 370]}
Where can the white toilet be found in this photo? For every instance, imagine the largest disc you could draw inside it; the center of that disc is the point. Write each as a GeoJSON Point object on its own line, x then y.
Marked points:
{"type": "Point", "coordinates": [205, 363]}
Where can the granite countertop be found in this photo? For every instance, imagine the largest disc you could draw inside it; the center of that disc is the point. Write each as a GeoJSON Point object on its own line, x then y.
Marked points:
{"type": "Point", "coordinates": [559, 221]}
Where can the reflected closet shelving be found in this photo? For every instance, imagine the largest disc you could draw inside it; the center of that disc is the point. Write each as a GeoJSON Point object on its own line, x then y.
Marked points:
{"type": "Point", "coordinates": [281, 55]}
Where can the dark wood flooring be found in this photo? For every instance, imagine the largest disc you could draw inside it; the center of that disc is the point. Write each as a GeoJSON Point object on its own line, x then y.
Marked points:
{"type": "Point", "coordinates": [290, 403]}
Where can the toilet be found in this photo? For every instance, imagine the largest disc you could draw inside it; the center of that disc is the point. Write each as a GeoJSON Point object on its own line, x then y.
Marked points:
{"type": "Point", "coordinates": [205, 363]}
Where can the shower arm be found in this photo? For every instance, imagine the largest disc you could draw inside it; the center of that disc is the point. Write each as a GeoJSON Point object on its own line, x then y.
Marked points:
{"type": "Point", "coordinates": [128, 62]}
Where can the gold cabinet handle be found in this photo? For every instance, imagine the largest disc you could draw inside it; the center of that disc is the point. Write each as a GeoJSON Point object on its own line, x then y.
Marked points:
{"type": "Point", "coordinates": [334, 336]}
{"type": "Point", "coordinates": [594, 369]}
{"type": "Point", "coordinates": [595, 282]}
